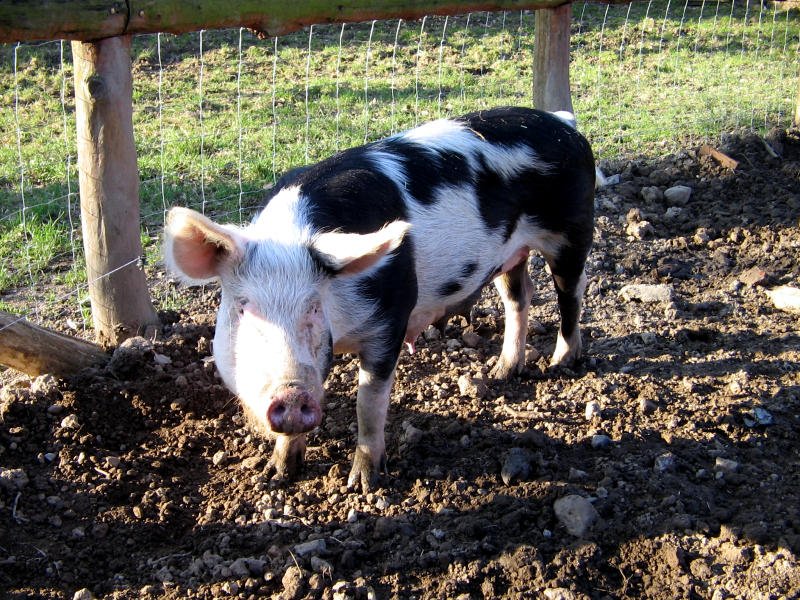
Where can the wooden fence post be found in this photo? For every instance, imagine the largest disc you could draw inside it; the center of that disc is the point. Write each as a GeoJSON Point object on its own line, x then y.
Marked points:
{"type": "Point", "coordinates": [109, 186]}
{"type": "Point", "coordinates": [551, 59]}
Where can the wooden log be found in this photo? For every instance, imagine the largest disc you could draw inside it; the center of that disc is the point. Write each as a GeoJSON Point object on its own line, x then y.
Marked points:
{"type": "Point", "coordinates": [35, 350]}
{"type": "Point", "coordinates": [109, 184]}
{"type": "Point", "coordinates": [551, 59]}
{"type": "Point", "coordinates": [95, 19]}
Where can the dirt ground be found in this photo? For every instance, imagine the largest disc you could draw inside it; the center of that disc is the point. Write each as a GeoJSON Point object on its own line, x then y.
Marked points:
{"type": "Point", "coordinates": [666, 465]}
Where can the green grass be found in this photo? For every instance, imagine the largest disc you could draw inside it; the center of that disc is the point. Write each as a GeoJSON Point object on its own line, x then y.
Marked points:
{"type": "Point", "coordinates": [645, 80]}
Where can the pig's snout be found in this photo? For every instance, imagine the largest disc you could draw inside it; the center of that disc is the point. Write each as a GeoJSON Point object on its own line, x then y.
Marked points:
{"type": "Point", "coordinates": [292, 409]}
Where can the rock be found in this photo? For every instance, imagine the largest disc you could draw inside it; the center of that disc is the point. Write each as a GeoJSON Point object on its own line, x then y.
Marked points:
{"type": "Point", "coordinates": [83, 594]}
{"type": "Point", "coordinates": [517, 465]}
{"type": "Point", "coordinates": [576, 513]}
{"type": "Point", "coordinates": [560, 593]}
{"type": "Point", "coordinates": [601, 441]}
{"type": "Point", "coordinates": [647, 293]}
{"type": "Point", "coordinates": [472, 387]}
{"type": "Point", "coordinates": [247, 567]}
{"type": "Point", "coordinates": [161, 359]}
{"type": "Point", "coordinates": [385, 527]}
{"type": "Point", "coordinates": [664, 463]}
{"type": "Point", "coordinates": [725, 465]}
{"type": "Point", "coordinates": [646, 406]}
{"type": "Point", "coordinates": [785, 298]}
{"type": "Point", "coordinates": [652, 194]}
{"type": "Point", "coordinates": [431, 333]}
{"type": "Point", "coordinates": [293, 583]}
{"type": "Point", "coordinates": [130, 356]}
{"type": "Point", "coordinates": [471, 339]}
{"type": "Point", "coordinates": [640, 229]}
{"type": "Point", "coordinates": [593, 410]}
{"type": "Point", "coordinates": [753, 277]}
{"type": "Point", "coordinates": [70, 422]}
{"type": "Point", "coordinates": [758, 416]}
{"type": "Point", "coordinates": [13, 480]}
{"type": "Point", "coordinates": [673, 212]}
{"type": "Point", "coordinates": [411, 435]}
{"type": "Point", "coordinates": [44, 386]}
{"type": "Point", "coordinates": [319, 565]}
{"type": "Point", "coordinates": [219, 458]}
{"type": "Point", "coordinates": [309, 548]}
{"type": "Point", "coordinates": [678, 195]}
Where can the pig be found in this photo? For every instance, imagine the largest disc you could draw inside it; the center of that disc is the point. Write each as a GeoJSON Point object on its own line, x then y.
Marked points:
{"type": "Point", "coordinates": [361, 252]}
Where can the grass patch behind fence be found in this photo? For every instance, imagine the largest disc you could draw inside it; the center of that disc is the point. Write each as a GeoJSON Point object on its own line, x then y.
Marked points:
{"type": "Point", "coordinates": [218, 116]}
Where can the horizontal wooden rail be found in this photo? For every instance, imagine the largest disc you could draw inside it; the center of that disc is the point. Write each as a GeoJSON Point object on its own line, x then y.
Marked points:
{"type": "Point", "coordinates": [89, 20]}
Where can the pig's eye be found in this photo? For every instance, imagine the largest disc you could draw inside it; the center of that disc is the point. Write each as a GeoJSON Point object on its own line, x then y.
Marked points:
{"type": "Point", "coordinates": [241, 304]}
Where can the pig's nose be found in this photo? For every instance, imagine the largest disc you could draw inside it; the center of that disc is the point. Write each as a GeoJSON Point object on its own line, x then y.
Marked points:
{"type": "Point", "coordinates": [293, 410]}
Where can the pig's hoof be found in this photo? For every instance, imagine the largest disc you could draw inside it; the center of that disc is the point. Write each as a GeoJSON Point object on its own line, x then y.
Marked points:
{"type": "Point", "coordinates": [365, 470]}
{"type": "Point", "coordinates": [505, 369]}
{"type": "Point", "coordinates": [288, 457]}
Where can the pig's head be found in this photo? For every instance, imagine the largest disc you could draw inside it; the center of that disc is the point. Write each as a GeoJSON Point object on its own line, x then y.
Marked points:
{"type": "Point", "coordinates": [273, 344]}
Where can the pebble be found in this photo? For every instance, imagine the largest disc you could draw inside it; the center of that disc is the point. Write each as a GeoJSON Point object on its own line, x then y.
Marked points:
{"type": "Point", "coordinates": [293, 583]}
{"type": "Point", "coordinates": [678, 195]}
{"type": "Point", "coordinates": [575, 513]}
{"type": "Point", "coordinates": [640, 230]}
{"type": "Point", "coordinates": [70, 422]}
{"type": "Point", "coordinates": [161, 359]}
{"type": "Point", "coordinates": [759, 416]}
{"type": "Point", "coordinates": [593, 410]}
{"type": "Point", "coordinates": [352, 515]}
{"type": "Point", "coordinates": [384, 528]}
{"type": "Point", "coordinates": [725, 465]}
{"type": "Point", "coordinates": [673, 212]}
{"type": "Point", "coordinates": [646, 406]}
{"type": "Point", "coordinates": [753, 277]}
{"type": "Point", "coordinates": [647, 293]}
{"type": "Point", "coordinates": [785, 298]}
{"type": "Point", "coordinates": [516, 466]}
{"type": "Point", "coordinates": [13, 480]}
{"type": "Point", "coordinates": [472, 387]}
{"type": "Point", "coordinates": [560, 593]}
{"type": "Point", "coordinates": [471, 339]}
{"type": "Point", "coordinates": [83, 594]}
{"type": "Point", "coordinates": [309, 548]}
{"type": "Point", "coordinates": [55, 409]}
{"type": "Point", "coordinates": [664, 463]}
{"type": "Point", "coordinates": [219, 458]}
{"type": "Point", "coordinates": [652, 194]}
{"type": "Point", "coordinates": [431, 333]}
{"type": "Point", "coordinates": [319, 565]}
{"type": "Point", "coordinates": [600, 441]}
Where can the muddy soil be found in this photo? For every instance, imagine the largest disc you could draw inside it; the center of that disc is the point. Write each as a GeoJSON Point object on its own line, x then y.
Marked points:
{"type": "Point", "coordinates": [665, 465]}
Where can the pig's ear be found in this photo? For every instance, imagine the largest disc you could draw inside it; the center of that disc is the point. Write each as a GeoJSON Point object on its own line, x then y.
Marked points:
{"type": "Point", "coordinates": [196, 247]}
{"type": "Point", "coordinates": [352, 253]}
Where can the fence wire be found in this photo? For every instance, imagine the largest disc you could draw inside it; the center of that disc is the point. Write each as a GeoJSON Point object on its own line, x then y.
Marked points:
{"type": "Point", "coordinates": [219, 115]}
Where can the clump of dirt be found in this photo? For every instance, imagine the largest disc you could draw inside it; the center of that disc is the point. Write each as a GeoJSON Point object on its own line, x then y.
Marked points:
{"type": "Point", "coordinates": [672, 448]}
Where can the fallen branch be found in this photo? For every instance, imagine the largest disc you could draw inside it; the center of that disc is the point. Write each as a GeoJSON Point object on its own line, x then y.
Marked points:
{"type": "Point", "coordinates": [723, 159]}
{"type": "Point", "coordinates": [35, 350]}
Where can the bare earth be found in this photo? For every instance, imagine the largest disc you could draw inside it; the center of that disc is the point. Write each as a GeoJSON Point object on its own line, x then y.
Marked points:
{"type": "Point", "coordinates": [142, 481]}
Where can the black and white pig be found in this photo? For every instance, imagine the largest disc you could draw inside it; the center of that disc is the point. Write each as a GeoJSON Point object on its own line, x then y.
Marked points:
{"type": "Point", "coordinates": [361, 252]}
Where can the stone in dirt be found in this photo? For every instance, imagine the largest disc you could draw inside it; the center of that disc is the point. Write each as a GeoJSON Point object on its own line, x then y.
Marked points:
{"type": "Point", "coordinates": [753, 277]}
{"type": "Point", "coordinates": [785, 297]}
{"type": "Point", "coordinates": [516, 466]}
{"type": "Point", "coordinates": [678, 195]}
{"type": "Point", "coordinates": [473, 387]}
{"type": "Point", "coordinates": [575, 513]}
{"type": "Point", "coordinates": [309, 548]}
{"type": "Point", "coordinates": [647, 293]}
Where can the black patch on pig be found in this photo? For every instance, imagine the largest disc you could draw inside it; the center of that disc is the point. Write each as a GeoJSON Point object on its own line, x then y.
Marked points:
{"type": "Point", "coordinates": [468, 269]}
{"type": "Point", "coordinates": [450, 288]}
{"type": "Point", "coordinates": [427, 169]}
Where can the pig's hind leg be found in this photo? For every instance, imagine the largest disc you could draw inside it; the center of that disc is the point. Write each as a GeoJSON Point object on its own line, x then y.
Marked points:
{"type": "Point", "coordinates": [569, 278]}
{"type": "Point", "coordinates": [515, 288]}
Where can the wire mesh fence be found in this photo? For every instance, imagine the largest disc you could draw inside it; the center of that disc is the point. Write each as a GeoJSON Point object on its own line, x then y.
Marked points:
{"type": "Point", "coordinates": [219, 115]}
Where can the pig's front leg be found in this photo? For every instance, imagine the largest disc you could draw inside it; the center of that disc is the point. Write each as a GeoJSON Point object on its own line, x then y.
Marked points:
{"type": "Point", "coordinates": [288, 456]}
{"type": "Point", "coordinates": [372, 405]}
